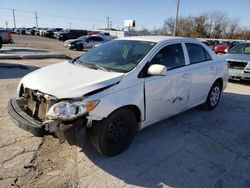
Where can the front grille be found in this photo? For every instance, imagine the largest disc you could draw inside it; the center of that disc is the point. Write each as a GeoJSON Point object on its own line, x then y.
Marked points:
{"type": "Point", "coordinates": [36, 104]}
{"type": "Point", "coordinates": [237, 65]}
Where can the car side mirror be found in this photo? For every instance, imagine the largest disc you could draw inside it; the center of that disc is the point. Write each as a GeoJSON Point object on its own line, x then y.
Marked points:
{"type": "Point", "coordinates": [157, 70]}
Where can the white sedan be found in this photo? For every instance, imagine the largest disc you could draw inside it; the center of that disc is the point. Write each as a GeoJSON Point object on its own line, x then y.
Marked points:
{"type": "Point", "coordinates": [120, 87]}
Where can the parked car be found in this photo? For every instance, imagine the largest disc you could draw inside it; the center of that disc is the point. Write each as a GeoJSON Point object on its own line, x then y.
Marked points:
{"type": "Point", "coordinates": [37, 31]}
{"type": "Point", "coordinates": [84, 42]}
{"type": "Point", "coordinates": [70, 34]}
{"type": "Point", "coordinates": [5, 37]}
{"type": "Point", "coordinates": [238, 59]}
{"type": "Point", "coordinates": [220, 48]}
{"type": "Point", "coordinates": [120, 87]}
{"type": "Point", "coordinates": [50, 32]}
{"type": "Point", "coordinates": [42, 31]}
{"type": "Point", "coordinates": [21, 31]}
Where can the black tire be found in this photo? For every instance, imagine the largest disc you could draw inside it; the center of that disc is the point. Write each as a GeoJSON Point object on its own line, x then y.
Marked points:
{"type": "Point", "coordinates": [213, 97]}
{"type": "Point", "coordinates": [114, 134]}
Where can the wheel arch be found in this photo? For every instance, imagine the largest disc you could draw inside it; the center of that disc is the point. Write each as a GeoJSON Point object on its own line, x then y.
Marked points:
{"type": "Point", "coordinates": [133, 108]}
{"type": "Point", "coordinates": [220, 81]}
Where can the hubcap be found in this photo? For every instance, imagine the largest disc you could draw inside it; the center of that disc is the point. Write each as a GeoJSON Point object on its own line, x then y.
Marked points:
{"type": "Point", "coordinates": [117, 132]}
{"type": "Point", "coordinates": [215, 95]}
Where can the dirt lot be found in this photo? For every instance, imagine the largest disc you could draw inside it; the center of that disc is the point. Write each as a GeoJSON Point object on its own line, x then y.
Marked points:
{"type": "Point", "coordinates": [38, 42]}
{"type": "Point", "coordinates": [194, 149]}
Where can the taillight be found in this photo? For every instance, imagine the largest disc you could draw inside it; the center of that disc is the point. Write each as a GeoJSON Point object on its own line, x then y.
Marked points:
{"type": "Point", "coordinates": [9, 35]}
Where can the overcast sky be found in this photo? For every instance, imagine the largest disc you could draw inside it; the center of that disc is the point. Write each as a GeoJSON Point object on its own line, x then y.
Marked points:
{"type": "Point", "coordinates": [93, 14]}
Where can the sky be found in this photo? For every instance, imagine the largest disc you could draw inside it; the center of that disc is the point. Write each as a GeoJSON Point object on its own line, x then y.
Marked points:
{"type": "Point", "coordinates": [92, 14]}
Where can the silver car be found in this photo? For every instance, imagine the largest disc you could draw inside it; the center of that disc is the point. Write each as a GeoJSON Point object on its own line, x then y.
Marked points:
{"type": "Point", "coordinates": [84, 42]}
{"type": "Point", "coordinates": [238, 59]}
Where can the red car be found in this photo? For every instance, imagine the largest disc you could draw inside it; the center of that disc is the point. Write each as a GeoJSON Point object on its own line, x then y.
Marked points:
{"type": "Point", "coordinates": [223, 47]}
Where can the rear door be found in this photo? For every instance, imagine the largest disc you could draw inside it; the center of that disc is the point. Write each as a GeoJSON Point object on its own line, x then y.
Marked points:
{"type": "Point", "coordinates": [202, 69]}
{"type": "Point", "coordinates": [167, 95]}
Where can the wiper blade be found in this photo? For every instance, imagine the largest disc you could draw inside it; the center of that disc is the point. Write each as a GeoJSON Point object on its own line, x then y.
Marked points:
{"type": "Point", "coordinates": [73, 60]}
{"type": "Point", "coordinates": [100, 67]}
{"type": "Point", "coordinates": [95, 66]}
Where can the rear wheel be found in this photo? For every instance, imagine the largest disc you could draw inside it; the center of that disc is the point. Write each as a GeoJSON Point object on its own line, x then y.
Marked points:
{"type": "Point", "coordinates": [114, 134]}
{"type": "Point", "coordinates": [213, 97]}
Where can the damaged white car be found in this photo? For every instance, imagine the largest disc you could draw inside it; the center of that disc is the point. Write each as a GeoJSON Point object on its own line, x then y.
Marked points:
{"type": "Point", "coordinates": [120, 87]}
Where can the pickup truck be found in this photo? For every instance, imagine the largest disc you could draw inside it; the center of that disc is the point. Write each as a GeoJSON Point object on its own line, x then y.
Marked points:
{"type": "Point", "coordinates": [120, 87]}
{"type": "Point", "coordinates": [5, 37]}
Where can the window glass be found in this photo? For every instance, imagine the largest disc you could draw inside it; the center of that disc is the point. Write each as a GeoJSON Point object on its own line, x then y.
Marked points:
{"type": "Point", "coordinates": [197, 53]}
{"type": "Point", "coordinates": [171, 56]}
{"type": "Point", "coordinates": [116, 55]}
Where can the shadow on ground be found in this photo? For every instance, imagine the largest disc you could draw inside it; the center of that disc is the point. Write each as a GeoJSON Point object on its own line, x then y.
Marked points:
{"type": "Point", "coordinates": [241, 82]}
{"type": "Point", "coordinates": [11, 70]}
{"type": "Point", "coordinates": [21, 51]}
{"type": "Point", "coordinates": [194, 149]}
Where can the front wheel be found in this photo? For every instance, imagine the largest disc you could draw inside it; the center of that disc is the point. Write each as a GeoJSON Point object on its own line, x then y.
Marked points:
{"type": "Point", "coordinates": [114, 134]}
{"type": "Point", "coordinates": [213, 97]}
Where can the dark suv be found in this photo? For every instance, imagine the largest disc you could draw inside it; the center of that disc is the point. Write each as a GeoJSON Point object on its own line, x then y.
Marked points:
{"type": "Point", "coordinates": [70, 34]}
{"type": "Point", "coordinates": [50, 32]}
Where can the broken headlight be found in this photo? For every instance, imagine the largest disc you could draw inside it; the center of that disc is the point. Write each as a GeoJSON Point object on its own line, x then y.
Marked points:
{"type": "Point", "coordinates": [69, 110]}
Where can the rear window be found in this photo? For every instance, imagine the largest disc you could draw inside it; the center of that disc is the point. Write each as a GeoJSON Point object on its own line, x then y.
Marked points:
{"type": "Point", "coordinates": [197, 53]}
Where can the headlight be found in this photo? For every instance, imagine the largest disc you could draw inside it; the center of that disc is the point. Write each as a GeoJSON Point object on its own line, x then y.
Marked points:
{"type": "Point", "coordinates": [69, 110]}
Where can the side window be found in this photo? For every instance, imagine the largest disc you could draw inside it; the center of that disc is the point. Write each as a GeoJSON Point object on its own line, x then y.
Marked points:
{"type": "Point", "coordinates": [171, 56]}
{"type": "Point", "coordinates": [197, 53]}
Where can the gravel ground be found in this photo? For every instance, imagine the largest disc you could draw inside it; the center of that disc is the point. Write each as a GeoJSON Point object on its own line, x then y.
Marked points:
{"type": "Point", "coordinates": [30, 41]}
{"type": "Point", "coordinates": [193, 149]}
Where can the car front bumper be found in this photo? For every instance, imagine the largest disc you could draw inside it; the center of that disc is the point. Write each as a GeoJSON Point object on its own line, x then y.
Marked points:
{"type": "Point", "coordinates": [239, 74]}
{"type": "Point", "coordinates": [23, 120]}
{"type": "Point", "coordinates": [38, 128]}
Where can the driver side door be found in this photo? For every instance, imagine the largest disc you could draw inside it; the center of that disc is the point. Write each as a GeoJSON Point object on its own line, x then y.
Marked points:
{"type": "Point", "coordinates": [167, 95]}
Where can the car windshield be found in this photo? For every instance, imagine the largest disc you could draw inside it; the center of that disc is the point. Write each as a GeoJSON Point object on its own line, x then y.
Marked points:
{"type": "Point", "coordinates": [117, 55]}
{"type": "Point", "coordinates": [240, 49]}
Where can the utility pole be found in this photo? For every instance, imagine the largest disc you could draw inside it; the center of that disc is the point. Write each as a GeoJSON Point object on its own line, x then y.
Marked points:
{"type": "Point", "coordinates": [14, 17]}
{"type": "Point", "coordinates": [6, 24]}
{"type": "Point", "coordinates": [107, 22]}
{"type": "Point", "coordinates": [110, 24]}
{"type": "Point", "coordinates": [176, 18]}
{"type": "Point", "coordinates": [36, 20]}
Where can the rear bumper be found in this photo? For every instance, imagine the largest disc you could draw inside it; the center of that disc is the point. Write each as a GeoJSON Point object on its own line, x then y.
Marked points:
{"type": "Point", "coordinates": [23, 120]}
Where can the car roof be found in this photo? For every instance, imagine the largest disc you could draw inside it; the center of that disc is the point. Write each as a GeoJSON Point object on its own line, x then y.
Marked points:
{"type": "Point", "coordinates": [158, 39]}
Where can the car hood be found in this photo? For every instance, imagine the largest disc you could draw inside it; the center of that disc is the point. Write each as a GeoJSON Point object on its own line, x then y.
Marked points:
{"type": "Point", "coordinates": [238, 57]}
{"type": "Point", "coordinates": [67, 80]}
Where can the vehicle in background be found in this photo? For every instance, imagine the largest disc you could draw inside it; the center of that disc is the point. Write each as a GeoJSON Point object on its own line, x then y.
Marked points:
{"type": "Point", "coordinates": [119, 88]}
{"type": "Point", "coordinates": [37, 31]}
{"type": "Point", "coordinates": [233, 43]}
{"type": "Point", "coordinates": [5, 37]}
{"type": "Point", "coordinates": [70, 34]}
{"type": "Point", "coordinates": [220, 48]}
{"type": "Point", "coordinates": [85, 42]}
{"type": "Point", "coordinates": [213, 43]}
{"type": "Point", "coordinates": [20, 31]}
{"type": "Point", "coordinates": [30, 31]}
{"type": "Point", "coordinates": [238, 59]}
{"type": "Point", "coordinates": [50, 32]}
{"type": "Point", "coordinates": [42, 31]}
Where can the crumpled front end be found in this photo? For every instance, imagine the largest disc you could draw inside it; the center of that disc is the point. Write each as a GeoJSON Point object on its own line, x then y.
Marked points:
{"type": "Point", "coordinates": [29, 112]}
